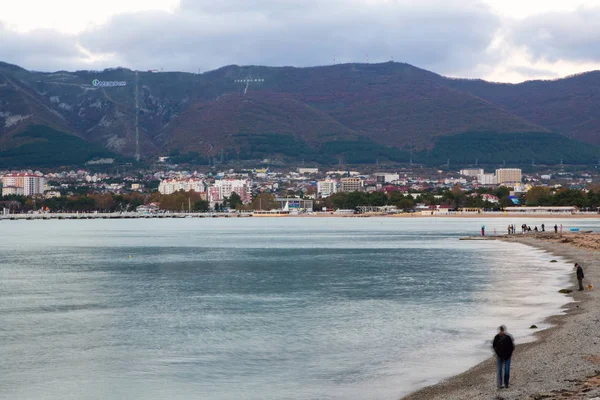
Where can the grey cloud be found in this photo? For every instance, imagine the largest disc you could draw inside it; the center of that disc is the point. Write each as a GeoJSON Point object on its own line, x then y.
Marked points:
{"type": "Point", "coordinates": [208, 34]}
{"type": "Point", "coordinates": [39, 49]}
{"type": "Point", "coordinates": [203, 35]}
{"type": "Point", "coordinates": [573, 36]}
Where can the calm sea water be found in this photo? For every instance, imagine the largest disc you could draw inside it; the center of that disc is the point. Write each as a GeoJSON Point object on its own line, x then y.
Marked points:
{"type": "Point", "coordinates": [338, 308]}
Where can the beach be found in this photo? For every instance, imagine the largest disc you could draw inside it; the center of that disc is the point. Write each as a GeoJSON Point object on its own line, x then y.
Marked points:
{"type": "Point", "coordinates": [564, 361]}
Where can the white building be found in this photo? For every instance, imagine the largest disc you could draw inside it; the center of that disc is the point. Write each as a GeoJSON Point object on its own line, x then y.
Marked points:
{"type": "Point", "coordinates": [350, 173]}
{"type": "Point", "coordinates": [23, 184]}
{"type": "Point", "coordinates": [12, 190]}
{"type": "Point", "coordinates": [486, 179]}
{"type": "Point", "coordinates": [351, 185]}
{"type": "Point", "coordinates": [472, 172]}
{"type": "Point", "coordinates": [224, 188]}
{"type": "Point", "coordinates": [386, 178]}
{"type": "Point", "coordinates": [326, 188]}
{"type": "Point", "coordinates": [169, 186]}
{"type": "Point", "coordinates": [308, 170]}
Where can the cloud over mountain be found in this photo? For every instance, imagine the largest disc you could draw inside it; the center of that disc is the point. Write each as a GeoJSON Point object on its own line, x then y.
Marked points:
{"type": "Point", "coordinates": [205, 35]}
{"type": "Point", "coordinates": [561, 35]}
{"type": "Point", "coordinates": [465, 38]}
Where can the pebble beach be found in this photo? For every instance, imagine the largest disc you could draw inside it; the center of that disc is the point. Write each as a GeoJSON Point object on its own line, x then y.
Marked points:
{"type": "Point", "coordinates": [564, 361]}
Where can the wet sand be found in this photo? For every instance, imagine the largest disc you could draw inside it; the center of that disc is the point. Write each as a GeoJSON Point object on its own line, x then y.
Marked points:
{"type": "Point", "coordinates": [564, 361]}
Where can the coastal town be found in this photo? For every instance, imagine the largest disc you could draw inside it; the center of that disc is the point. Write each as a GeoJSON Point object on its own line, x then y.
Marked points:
{"type": "Point", "coordinates": [299, 191]}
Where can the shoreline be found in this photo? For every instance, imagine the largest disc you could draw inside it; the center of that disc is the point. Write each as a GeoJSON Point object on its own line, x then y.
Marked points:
{"type": "Point", "coordinates": [133, 215]}
{"type": "Point", "coordinates": [564, 360]}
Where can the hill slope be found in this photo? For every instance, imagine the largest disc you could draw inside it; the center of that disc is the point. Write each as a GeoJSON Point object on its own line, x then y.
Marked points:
{"type": "Point", "coordinates": [570, 106]}
{"type": "Point", "coordinates": [360, 112]}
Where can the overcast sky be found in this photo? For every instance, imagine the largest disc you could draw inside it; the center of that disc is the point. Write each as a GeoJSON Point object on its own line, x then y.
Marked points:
{"type": "Point", "coordinates": [499, 40]}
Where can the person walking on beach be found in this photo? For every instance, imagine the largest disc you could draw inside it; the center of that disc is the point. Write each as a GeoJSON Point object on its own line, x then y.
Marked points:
{"type": "Point", "coordinates": [509, 229]}
{"type": "Point", "coordinates": [503, 347]}
{"type": "Point", "coordinates": [580, 276]}
{"type": "Point", "coordinates": [561, 229]}
{"type": "Point", "coordinates": [543, 228]}
{"type": "Point", "coordinates": [555, 228]}
{"type": "Point", "coordinates": [482, 230]}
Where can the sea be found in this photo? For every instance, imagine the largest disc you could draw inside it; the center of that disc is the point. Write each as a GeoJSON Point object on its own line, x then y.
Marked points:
{"type": "Point", "coordinates": [262, 308]}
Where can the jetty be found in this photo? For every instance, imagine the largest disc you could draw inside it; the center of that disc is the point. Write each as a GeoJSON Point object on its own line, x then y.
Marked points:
{"type": "Point", "coordinates": [119, 215]}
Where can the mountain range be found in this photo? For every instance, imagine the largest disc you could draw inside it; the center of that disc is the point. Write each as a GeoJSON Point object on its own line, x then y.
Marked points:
{"type": "Point", "coordinates": [350, 113]}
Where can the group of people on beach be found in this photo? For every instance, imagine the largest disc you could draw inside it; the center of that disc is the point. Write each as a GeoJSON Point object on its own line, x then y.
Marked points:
{"type": "Point", "coordinates": [504, 344]}
{"type": "Point", "coordinates": [512, 229]}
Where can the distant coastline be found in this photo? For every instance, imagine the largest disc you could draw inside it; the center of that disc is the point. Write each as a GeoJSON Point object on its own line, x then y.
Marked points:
{"type": "Point", "coordinates": [135, 215]}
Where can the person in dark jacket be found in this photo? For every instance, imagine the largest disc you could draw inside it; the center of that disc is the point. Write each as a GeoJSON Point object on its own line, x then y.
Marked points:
{"type": "Point", "coordinates": [503, 347]}
{"type": "Point", "coordinates": [579, 275]}
{"type": "Point", "coordinates": [555, 228]}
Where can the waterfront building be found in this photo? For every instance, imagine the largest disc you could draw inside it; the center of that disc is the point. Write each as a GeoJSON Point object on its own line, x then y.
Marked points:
{"type": "Point", "coordinates": [508, 176]}
{"type": "Point", "coordinates": [326, 188]}
{"type": "Point", "coordinates": [169, 186]}
{"type": "Point", "coordinates": [226, 187]}
{"type": "Point", "coordinates": [294, 203]}
{"type": "Point", "coordinates": [24, 184]}
{"type": "Point", "coordinates": [351, 184]}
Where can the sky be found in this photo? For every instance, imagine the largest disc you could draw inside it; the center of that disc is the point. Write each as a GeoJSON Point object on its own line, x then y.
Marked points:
{"type": "Point", "coordinates": [497, 40]}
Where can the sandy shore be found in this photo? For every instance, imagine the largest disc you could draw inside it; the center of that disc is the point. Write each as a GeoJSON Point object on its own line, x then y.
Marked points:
{"type": "Point", "coordinates": [564, 361]}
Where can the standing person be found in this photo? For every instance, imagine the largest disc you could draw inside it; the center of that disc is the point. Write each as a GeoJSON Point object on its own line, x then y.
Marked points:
{"type": "Point", "coordinates": [543, 228]}
{"type": "Point", "coordinates": [555, 228]}
{"type": "Point", "coordinates": [482, 230]}
{"type": "Point", "coordinates": [580, 275]}
{"type": "Point", "coordinates": [509, 229]}
{"type": "Point", "coordinates": [503, 347]}
{"type": "Point", "coordinates": [561, 229]}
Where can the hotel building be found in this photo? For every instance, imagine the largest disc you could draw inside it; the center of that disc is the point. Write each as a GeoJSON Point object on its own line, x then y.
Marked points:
{"type": "Point", "coordinates": [508, 176]}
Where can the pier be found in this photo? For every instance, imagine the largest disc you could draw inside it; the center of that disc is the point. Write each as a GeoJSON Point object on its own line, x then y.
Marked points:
{"type": "Point", "coordinates": [119, 215]}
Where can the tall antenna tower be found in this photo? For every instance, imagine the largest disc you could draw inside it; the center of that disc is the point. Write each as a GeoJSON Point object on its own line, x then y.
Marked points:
{"type": "Point", "coordinates": [137, 118]}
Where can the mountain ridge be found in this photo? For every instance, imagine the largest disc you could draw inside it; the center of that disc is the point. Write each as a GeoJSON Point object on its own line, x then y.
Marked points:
{"type": "Point", "coordinates": [389, 105]}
